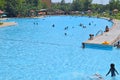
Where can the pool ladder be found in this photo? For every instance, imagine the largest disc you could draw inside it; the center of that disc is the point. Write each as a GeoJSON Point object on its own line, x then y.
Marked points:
{"type": "Point", "coordinates": [100, 31]}
{"type": "Point", "coordinates": [116, 42]}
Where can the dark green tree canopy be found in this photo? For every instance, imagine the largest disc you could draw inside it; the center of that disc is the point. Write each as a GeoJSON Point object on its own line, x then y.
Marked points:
{"type": "Point", "coordinates": [22, 7]}
{"type": "Point", "coordinates": [81, 5]}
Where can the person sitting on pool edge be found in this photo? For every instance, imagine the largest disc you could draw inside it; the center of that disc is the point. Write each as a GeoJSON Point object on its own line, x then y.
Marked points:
{"type": "Point", "coordinates": [106, 29]}
{"type": "Point", "coordinates": [112, 70]}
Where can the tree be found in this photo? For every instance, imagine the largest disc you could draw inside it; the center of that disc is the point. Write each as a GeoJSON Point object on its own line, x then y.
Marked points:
{"type": "Point", "coordinates": [76, 5]}
{"type": "Point", "coordinates": [2, 4]}
{"type": "Point", "coordinates": [62, 2]}
{"type": "Point", "coordinates": [62, 5]}
{"type": "Point", "coordinates": [114, 4]}
{"type": "Point", "coordinates": [21, 7]}
{"type": "Point", "coordinates": [81, 5]}
{"type": "Point", "coordinates": [87, 4]}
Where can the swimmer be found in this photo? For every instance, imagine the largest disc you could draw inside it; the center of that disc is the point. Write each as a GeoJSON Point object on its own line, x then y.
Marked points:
{"type": "Point", "coordinates": [112, 70]}
{"type": "Point", "coordinates": [81, 24]}
{"type": "Point", "coordinates": [84, 26]}
{"type": "Point", "coordinates": [66, 28]}
{"type": "Point", "coordinates": [65, 34]}
{"type": "Point", "coordinates": [89, 23]}
{"type": "Point", "coordinates": [53, 25]}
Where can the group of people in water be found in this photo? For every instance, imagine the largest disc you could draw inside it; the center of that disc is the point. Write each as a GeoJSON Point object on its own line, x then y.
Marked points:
{"type": "Point", "coordinates": [112, 69]}
{"type": "Point", "coordinates": [81, 25]}
{"type": "Point", "coordinates": [90, 23]}
{"type": "Point", "coordinates": [66, 28]}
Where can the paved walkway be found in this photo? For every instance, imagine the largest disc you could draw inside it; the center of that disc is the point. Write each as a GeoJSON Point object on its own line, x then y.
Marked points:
{"type": "Point", "coordinates": [112, 36]}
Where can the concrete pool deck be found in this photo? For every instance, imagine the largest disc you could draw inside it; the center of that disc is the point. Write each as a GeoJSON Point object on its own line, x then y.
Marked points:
{"type": "Point", "coordinates": [3, 18]}
{"type": "Point", "coordinates": [111, 37]}
{"type": "Point", "coordinates": [8, 24]}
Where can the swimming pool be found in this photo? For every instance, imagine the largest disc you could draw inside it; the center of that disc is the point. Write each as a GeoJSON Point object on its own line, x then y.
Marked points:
{"type": "Point", "coordinates": [38, 49]}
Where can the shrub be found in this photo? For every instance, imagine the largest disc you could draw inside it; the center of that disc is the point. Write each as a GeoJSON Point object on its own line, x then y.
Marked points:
{"type": "Point", "coordinates": [1, 23]}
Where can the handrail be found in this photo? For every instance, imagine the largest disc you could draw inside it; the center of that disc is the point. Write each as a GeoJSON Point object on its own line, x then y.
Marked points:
{"type": "Point", "coordinates": [117, 39]}
{"type": "Point", "coordinates": [99, 32]}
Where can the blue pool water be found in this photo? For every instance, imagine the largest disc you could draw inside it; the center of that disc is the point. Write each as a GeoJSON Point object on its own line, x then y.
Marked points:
{"type": "Point", "coordinates": [34, 49]}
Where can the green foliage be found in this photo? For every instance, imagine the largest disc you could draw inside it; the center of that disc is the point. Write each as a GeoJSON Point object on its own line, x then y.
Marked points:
{"type": "Point", "coordinates": [62, 6]}
{"type": "Point", "coordinates": [114, 4]}
{"type": "Point", "coordinates": [2, 4]}
{"type": "Point", "coordinates": [23, 7]}
{"type": "Point", "coordinates": [81, 5]}
{"type": "Point", "coordinates": [1, 23]}
{"type": "Point", "coordinates": [62, 2]}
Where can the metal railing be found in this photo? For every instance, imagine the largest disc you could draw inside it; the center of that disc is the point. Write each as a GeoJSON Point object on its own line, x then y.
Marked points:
{"type": "Point", "coordinates": [100, 31]}
{"type": "Point", "coordinates": [116, 40]}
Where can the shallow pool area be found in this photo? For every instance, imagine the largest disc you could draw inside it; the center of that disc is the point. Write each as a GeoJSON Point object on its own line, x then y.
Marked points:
{"type": "Point", "coordinates": [50, 48]}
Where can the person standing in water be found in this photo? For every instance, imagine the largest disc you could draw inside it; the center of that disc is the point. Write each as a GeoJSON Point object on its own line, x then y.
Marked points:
{"type": "Point", "coordinates": [112, 70]}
